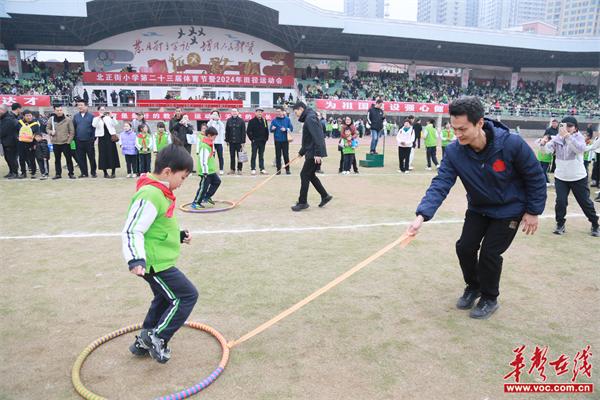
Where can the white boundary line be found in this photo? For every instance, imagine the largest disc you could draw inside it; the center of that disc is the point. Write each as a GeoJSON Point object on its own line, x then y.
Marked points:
{"type": "Point", "coordinates": [254, 230]}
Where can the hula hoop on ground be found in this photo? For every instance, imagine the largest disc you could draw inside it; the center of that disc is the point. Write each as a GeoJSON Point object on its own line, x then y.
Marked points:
{"type": "Point", "coordinates": [183, 394]}
{"type": "Point", "coordinates": [229, 205]}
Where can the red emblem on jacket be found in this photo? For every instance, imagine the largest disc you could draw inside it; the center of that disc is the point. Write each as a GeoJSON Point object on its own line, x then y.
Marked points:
{"type": "Point", "coordinates": [499, 166]}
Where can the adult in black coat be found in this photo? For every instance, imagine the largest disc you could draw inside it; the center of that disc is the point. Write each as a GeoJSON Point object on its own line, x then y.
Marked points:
{"type": "Point", "coordinates": [314, 150]}
{"type": "Point", "coordinates": [181, 130]}
{"type": "Point", "coordinates": [258, 133]}
{"type": "Point", "coordinates": [235, 136]}
{"type": "Point", "coordinates": [9, 133]}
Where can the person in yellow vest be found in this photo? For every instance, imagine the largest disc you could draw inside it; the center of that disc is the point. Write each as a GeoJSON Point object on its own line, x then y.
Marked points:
{"type": "Point", "coordinates": [28, 128]}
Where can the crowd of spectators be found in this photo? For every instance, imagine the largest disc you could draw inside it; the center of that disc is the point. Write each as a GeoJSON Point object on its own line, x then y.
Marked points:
{"type": "Point", "coordinates": [39, 79]}
{"type": "Point", "coordinates": [529, 97]}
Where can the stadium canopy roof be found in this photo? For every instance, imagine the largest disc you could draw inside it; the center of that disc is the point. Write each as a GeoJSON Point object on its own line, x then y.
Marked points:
{"type": "Point", "coordinates": [295, 26]}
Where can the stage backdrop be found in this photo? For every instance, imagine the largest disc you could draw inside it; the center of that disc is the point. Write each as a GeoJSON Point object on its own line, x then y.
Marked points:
{"type": "Point", "coordinates": [189, 49]}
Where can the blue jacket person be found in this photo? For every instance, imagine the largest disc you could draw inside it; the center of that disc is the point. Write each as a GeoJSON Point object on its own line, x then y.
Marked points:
{"type": "Point", "coordinates": [505, 187]}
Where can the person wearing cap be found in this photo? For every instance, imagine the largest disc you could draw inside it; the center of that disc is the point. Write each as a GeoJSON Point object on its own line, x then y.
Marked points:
{"type": "Point", "coordinates": [235, 137]}
{"type": "Point", "coordinates": [570, 175]}
{"type": "Point", "coordinates": [314, 150]}
{"type": "Point", "coordinates": [258, 133]}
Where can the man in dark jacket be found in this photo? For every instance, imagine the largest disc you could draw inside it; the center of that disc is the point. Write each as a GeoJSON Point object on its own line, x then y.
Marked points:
{"type": "Point", "coordinates": [85, 137]}
{"type": "Point", "coordinates": [9, 132]}
{"type": "Point", "coordinates": [375, 118]}
{"type": "Point", "coordinates": [175, 120]}
{"type": "Point", "coordinates": [235, 136]}
{"type": "Point", "coordinates": [258, 133]}
{"type": "Point", "coordinates": [505, 187]}
{"type": "Point", "coordinates": [417, 128]}
{"type": "Point", "coordinates": [313, 148]}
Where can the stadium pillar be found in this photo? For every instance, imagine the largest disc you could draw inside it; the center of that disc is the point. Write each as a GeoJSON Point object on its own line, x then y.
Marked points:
{"type": "Point", "coordinates": [514, 80]}
{"type": "Point", "coordinates": [14, 62]}
{"type": "Point", "coordinates": [412, 72]}
{"type": "Point", "coordinates": [439, 122]}
{"type": "Point", "coordinates": [464, 78]}
{"type": "Point", "coordinates": [559, 82]}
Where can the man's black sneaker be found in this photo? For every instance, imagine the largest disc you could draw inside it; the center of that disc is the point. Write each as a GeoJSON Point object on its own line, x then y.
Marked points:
{"type": "Point", "coordinates": [484, 309]}
{"type": "Point", "coordinates": [288, 173]}
{"type": "Point", "coordinates": [156, 346]}
{"type": "Point", "coordinates": [597, 199]}
{"type": "Point", "coordinates": [139, 347]}
{"type": "Point", "coordinates": [560, 230]}
{"type": "Point", "coordinates": [33, 176]}
{"type": "Point", "coordinates": [12, 176]}
{"type": "Point", "coordinates": [83, 176]}
{"type": "Point", "coordinates": [595, 232]}
{"type": "Point", "coordinates": [466, 301]}
{"type": "Point", "coordinates": [94, 175]}
{"type": "Point", "coordinates": [325, 200]}
{"type": "Point", "coordinates": [300, 207]}
{"type": "Point", "coordinates": [72, 176]}
{"type": "Point", "coordinates": [278, 173]}
{"type": "Point", "coordinates": [22, 176]}
{"type": "Point", "coordinates": [56, 177]}
{"type": "Point", "coordinates": [7, 176]}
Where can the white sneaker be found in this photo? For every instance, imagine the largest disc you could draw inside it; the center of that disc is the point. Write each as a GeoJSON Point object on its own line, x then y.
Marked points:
{"type": "Point", "coordinates": [263, 172]}
{"type": "Point", "coordinates": [411, 168]}
{"type": "Point", "coordinates": [548, 184]}
{"type": "Point", "coordinates": [406, 172]}
{"type": "Point", "coordinates": [221, 172]}
{"type": "Point", "coordinates": [400, 171]}
{"type": "Point", "coordinates": [428, 168]}
{"type": "Point", "coordinates": [253, 172]}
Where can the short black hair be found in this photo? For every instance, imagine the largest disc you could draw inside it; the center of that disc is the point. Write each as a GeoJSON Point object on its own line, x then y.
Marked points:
{"type": "Point", "coordinates": [38, 133]}
{"type": "Point", "coordinates": [216, 111]}
{"type": "Point", "coordinates": [27, 112]}
{"type": "Point", "coordinates": [141, 127]}
{"type": "Point", "coordinates": [299, 104]}
{"type": "Point", "coordinates": [211, 131]}
{"type": "Point", "coordinates": [16, 106]}
{"type": "Point", "coordinates": [432, 122]}
{"type": "Point", "coordinates": [80, 100]}
{"type": "Point", "coordinates": [175, 157]}
{"type": "Point", "coordinates": [379, 101]}
{"type": "Point", "coordinates": [469, 106]}
{"type": "Point", "coordinates": [160, 124]}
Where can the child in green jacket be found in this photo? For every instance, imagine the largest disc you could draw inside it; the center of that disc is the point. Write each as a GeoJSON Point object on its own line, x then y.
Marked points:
{"type": "Point", "coordinates": [150, 242]}
{"type": "Point", "coordinates": [207, 169]}
{"type": "Point", "coordinates": [447, 137]}
{"type": "Point", "coordinates": [161, 138]}
{"type": "Point", "coordinates": [143, 143]}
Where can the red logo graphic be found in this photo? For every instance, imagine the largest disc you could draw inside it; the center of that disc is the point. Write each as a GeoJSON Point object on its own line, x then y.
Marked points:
{"type": "Point", "coordinates": [499, 166]}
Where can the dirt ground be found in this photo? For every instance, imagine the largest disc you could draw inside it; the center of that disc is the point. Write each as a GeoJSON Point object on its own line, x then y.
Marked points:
{"type": "Point", "coordinates": [389, 332]}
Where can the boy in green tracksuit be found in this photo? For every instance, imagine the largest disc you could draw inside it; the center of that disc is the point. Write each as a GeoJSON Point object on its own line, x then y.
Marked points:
{"type": "Point", "coordinates": [447, 137]}
{"type": "Point", "coordinates": [161, 138]}
{"type": "Point", "coordinates": [431, 140]}
{"type": "Point", "coordinates": [150, 243]}
{"type": "Point", "coordinates": [209, 181]}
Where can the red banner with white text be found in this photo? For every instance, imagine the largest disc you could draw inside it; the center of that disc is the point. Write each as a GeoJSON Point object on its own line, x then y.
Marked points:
{"type": "Point", "coordinates": [26, 101]}
{"type": "Point", "coordinates": [389, 106]}
{"type": "Point", "coordinates": [193, 116]}
{"type": "Point", "coordinates": [153, 79]}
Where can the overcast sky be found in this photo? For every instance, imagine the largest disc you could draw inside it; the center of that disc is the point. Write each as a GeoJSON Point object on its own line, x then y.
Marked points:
{"type": "Point", "coordinates": [399, 9]}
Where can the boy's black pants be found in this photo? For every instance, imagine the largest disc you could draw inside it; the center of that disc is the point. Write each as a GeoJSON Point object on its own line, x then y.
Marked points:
{"type": "Point", "coordinates": [207, 188]}
{"type": "Point", "coordinates": [132, 163]}
{"type": "Point", "coordinates": [493, 236]}
{"type": "Point", "coordinates": [44, 165]}
{"type": "Point", "coordinates": [431, 156]}
{"type": "Point", "coordinates": [26, 157]}
{"type": "Point", "coordinates": [174, 299]}
{"type": "Point", "coordinates": [145, 162]}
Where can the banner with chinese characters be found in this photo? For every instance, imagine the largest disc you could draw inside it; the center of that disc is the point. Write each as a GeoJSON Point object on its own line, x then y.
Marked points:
{"type": "Point", "coordinates": [26, 101]}
{"type": "Point", "coordinates": [152, 79]}
{"type": "Point", "coordinates": [194, 116]}
{"type": "Point", "coordinates": [188, 49]}
{"type": "Point", "coordinates": [389, 106]}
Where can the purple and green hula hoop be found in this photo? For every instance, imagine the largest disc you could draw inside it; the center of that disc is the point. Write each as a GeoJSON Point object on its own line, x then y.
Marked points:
{"type": "Point", "coordinates": [183, 394]}
{"type": "Point", "coordinates": [229, 205]}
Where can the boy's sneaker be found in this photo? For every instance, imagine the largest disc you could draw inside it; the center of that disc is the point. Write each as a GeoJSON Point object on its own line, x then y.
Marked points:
{"type": "Point", "coordinates": [139, 347]}
{"type": "Point", "coordinates": [210, 201]}
{"type": "Point", "coordinates": [595, 232]}
{"type": "Point", "coordinates": [32, 176]}
{"type": "Point", "coordinates": [43, 177]}
{"type": "Point", "coordinates": [560, 230]}
{"type": "Point", "coordinates": [156, 346]}
{"type": "Point", "coordinates": [253, 172]}
{"type": "Point", "coordinates": [221, 172]}
{"type": "Point", "coordinates": [196, 206]}
{"type": "Point", "coordinates": [428, 168]}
